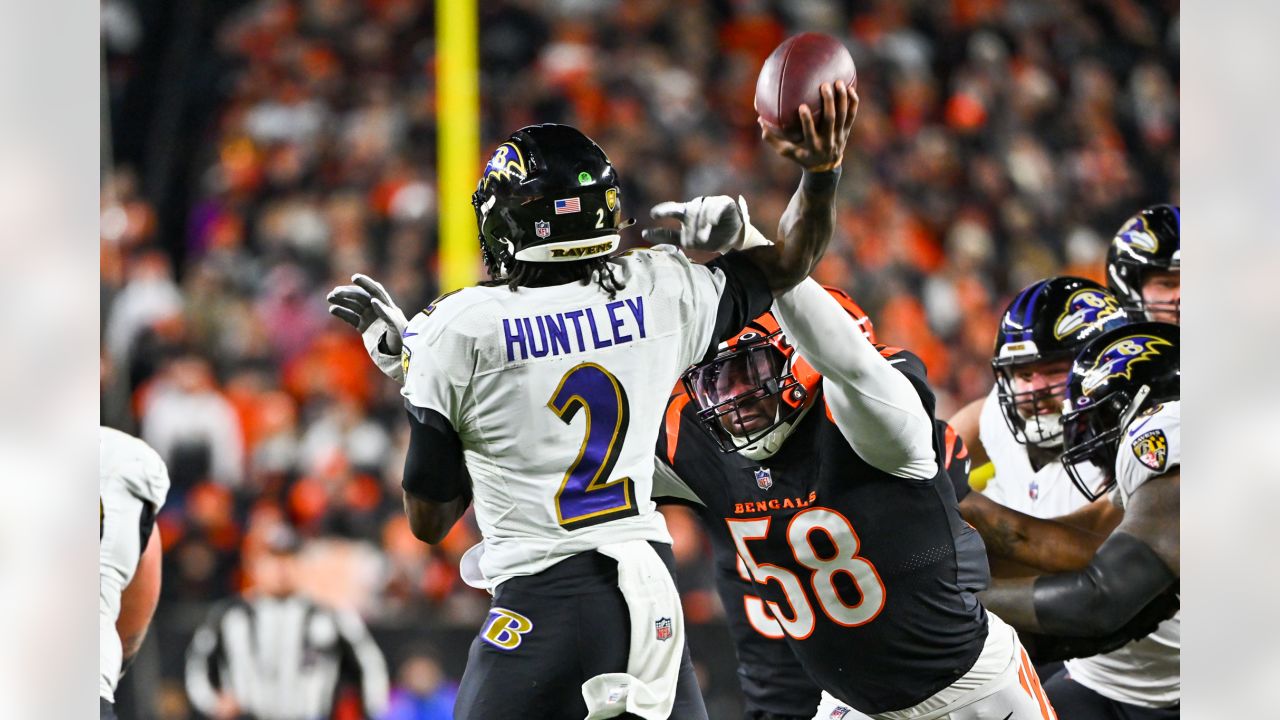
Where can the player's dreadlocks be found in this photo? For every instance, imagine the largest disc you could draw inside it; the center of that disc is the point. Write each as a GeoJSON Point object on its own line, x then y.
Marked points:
{"type": "Point", "coordinates": [530, 274]}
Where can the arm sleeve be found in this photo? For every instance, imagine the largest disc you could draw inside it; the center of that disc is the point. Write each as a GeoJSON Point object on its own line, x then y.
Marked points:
{"type": "Point", "coordinates": [1049, 648]}
{"type": "Point", "coordinates": [437, 364]}
{"type": "Point", "coordinates": [366, 662]}
{"type": "Point", "coordinates": [1125, 575]}
{"type": "Point", "coordinates": [201, 671]}
{"type": "Point", "coordinates": [878, 410]}
{"type": "Point", "coordinates": [435, 468]}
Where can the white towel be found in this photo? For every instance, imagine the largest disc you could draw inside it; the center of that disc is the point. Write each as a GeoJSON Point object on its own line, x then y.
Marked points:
{"type": "Point", "coordinates": [469, 568]}
{"type": "Point", "coordinates": [648, 688]}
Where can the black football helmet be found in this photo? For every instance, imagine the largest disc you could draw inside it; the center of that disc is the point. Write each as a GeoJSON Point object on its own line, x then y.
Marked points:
{"type": "Point", "coordinates": [1049, 320]}
{"type": "Point", "coordinates": [548, 194]}
{"type": "Point", "coordinates": [1118, 375]}
{"type": "Point", "coordinates": [1147, 241]}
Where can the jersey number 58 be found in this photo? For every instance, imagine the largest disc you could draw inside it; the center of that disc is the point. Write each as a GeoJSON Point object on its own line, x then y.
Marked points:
{"type": "Point", "coordinates": [799, 622]}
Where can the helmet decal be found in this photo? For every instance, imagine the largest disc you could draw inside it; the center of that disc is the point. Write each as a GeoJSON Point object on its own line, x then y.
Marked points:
{"type": "Point", "coordinates": [506, 163]}
{"type": "Point", "coordinates": [1118, 359]}
{"type": "Point", "coordinates": [1137, 234]}
{"type": "Point", "coordinates": [1085, 307]}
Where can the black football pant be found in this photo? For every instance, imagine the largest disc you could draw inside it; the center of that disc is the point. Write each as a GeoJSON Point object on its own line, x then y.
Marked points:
{"type": "Point", "coordinates": [1074, 701]}
{"type": "Point", "coordinates": [577, 627]}
{"type": "Point", "coordinates": [106, 711]}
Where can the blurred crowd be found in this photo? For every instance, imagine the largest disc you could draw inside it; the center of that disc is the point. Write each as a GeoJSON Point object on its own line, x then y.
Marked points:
{"type": "Point", "coordinates": [997, 142]}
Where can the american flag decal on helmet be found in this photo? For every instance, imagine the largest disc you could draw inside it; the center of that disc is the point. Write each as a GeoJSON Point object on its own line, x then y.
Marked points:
{"type": "Point", "coordinates": [568, 205]}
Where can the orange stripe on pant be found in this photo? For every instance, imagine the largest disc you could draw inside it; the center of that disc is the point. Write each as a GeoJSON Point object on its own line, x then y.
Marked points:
{"type": "Point", "coordinates": [1037, 691]}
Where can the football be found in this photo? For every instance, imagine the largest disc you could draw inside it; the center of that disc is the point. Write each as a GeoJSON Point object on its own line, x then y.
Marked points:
{"type": "Point", "coordinates": [791, 76]}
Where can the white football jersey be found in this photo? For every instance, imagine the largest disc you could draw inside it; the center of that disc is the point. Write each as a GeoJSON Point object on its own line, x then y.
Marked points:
{"type": "Point", "coordinates": [557, 394]}
{"type": "Point", "coordinates": [1044, 493]}
{"type": "Point", "coordinates": [130, 474]}
{"type": "Point", "coordinates": [1145, 672]}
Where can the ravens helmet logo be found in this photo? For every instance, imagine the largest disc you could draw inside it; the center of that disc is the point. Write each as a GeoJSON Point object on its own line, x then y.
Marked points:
{"type": "Point", "coordinates": [1118, 359]}
{"type": "Point", "coordinates": [1084, 308]}
{"type": "Point", "coordinates": [506, 162]}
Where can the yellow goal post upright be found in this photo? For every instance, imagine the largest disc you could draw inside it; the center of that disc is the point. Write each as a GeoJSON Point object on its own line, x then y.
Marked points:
{"type": "Point", "coordinates": [457, 139]}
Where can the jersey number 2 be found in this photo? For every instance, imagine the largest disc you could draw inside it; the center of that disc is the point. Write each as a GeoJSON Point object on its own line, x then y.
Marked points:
{"type": "Point", "coordinates": [587, 496]}
{"type": "Point", "coordinates": [799, 622]}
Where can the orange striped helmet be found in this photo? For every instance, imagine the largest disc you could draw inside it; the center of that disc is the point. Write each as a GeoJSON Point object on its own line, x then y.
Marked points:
{"type": "Point", "coordinates": [756, 382]}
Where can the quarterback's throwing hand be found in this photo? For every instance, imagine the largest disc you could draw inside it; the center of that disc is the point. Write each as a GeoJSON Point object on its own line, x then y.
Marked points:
{"type": "Point", "coordinates": [822, 146]}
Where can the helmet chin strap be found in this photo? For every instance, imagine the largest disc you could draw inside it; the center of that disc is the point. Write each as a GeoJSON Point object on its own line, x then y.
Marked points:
{"type": "Point", "coordinates": [769, 445]}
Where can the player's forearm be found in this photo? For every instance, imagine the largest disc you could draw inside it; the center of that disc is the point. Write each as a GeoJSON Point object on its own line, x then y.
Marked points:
{"type": "Point", "coordinates": [876, 407]}
{"type": "Point", "coordinates": [1045, 545]}
{"type": "Point", "coordinates": [1098, 518]}
{"type": "Point", "coordinates": [804, 232]}
{"type": "Point", "coordinates": [432, 521]}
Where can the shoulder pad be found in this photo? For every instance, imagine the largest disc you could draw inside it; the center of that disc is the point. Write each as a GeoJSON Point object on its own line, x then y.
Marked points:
{"type": "Point", "coordinates": [126, 459]}
{"type": "Point", "coordinates": [1151, 436]}
{"type": "Point", "coordinates": [906, 361]}
{"type": "Point", "coordinates": [1150, 447]}
{"type": "Point", "coordinates": [676, 404]}
{"type": "Point", "coordinates": [432, 320]}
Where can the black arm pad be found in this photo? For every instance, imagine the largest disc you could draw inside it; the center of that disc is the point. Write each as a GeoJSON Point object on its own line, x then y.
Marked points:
{"type": "Point", "coordinates": [435, 468]}
{"type": "Point", "coordinates": [1047, 648]}
{"type": "Point", "coordinates": [1125, 575]}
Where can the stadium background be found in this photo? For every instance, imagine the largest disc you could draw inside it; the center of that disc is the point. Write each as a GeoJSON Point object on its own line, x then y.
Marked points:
{"type": "Point", "coordinates": [262, 151]}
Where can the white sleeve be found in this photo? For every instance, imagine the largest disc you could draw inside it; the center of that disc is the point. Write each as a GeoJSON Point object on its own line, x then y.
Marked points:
{"type": "Point", "coordinates": [436, 359]}
{"type": "Point", "coordinates": [876, 407]}
{"type": "Point", "coordinates": [1150, 448]}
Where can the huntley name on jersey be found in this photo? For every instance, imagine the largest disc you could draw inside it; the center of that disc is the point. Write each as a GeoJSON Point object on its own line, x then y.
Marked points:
{"type": "Point", "coordinates": [544, 335]}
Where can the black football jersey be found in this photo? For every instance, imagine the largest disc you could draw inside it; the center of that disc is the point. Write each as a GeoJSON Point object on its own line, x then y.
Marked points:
{"type": "Point", "coordinates": [872, 579]}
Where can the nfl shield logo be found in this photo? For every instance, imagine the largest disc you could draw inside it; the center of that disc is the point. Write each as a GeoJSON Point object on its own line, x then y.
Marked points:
{"type": "Point", "coordinates": [839, 713]}
{"type": "Point", "coordinates": [1033, 490]}
{"type": "Point", "coordinates": [662, 628]}
{"type": "Point", "coordinates": [542, 228]}
{"type": "Point", "coordinates": [764, 478]}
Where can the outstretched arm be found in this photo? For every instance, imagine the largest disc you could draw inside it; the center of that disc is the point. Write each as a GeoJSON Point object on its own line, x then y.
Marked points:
{"type": "Point", "coordinates": [1046, 546]}
{"type": "Point", "coordinates": [875, 406]}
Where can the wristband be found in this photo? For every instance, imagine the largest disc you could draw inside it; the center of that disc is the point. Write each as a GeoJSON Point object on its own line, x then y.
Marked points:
{"type": "Point", "coordinates": [820, 182]}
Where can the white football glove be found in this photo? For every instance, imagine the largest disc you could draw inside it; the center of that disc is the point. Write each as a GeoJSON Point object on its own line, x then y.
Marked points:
{"type": "Point", "coordinates": [368, 307]}
{"type": "Point", "coordinates": [709, 223]}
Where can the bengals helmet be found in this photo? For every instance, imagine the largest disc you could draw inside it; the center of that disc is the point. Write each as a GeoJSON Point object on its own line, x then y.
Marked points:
{"type": "Point", "coordinates": [1118, 375]}
{"type": "Point", "coordinates": [1150, 240]}
{"type": "Point", "coordinates": [755, 365]}
{"type": "Point", "coordinates": [1048, 320]}
{"type": "Point", "coordinates": [548, 194]}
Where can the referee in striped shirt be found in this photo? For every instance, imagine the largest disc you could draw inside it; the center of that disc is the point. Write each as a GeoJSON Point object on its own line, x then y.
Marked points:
{"type": "Point", "coordinates": [275, 655]}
